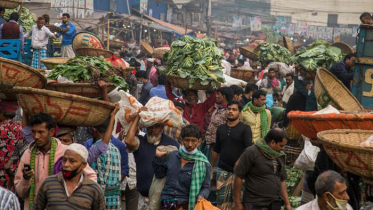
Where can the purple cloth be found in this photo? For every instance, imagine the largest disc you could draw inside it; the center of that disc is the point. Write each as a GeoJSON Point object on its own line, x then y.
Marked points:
{"type": "Point", "coordinates": [94, 151]}
{"type": "Point", "coordinates": [27, 134]}
{"type": "Point", "coordinates": [57, 166]}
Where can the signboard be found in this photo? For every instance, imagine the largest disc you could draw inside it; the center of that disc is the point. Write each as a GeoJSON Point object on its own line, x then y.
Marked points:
{"type": "Point", "coordinates": [143, 6]}
{"type": "Point", "coordinates": [255, 23]}
{"type": "Point", "coordinates": [76, 9]}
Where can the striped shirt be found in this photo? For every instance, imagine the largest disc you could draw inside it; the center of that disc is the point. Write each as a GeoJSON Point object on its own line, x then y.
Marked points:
{"type": "Point", "coordinates": [8, 200]}
{"type": "Point", "coordinates": [52, 195]}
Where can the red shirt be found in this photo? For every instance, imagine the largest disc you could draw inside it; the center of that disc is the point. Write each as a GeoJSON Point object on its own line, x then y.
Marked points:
{"type": "Point", "coordinates": [194, 113]}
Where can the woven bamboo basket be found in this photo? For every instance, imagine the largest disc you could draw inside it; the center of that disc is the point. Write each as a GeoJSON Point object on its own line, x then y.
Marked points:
{"type": "Point", "coordinates": [116, 44]}
{"type": "Point", "coordinates": [250, 52]}
{"type": "Point", "coordinates": [93, 52]}
{"type": "Point", "coordinates": [346, 49]}
{"type": "Point", "coordinates": [245, 75]}
{"type": "Point", "coordinates": [183, 83]}
{"type": "Point", "coordinates": [81, 89]}
{"type": "Point", "coordinates": [288, 43]}
{"type": "Point", "coordinates": [309, 125]}
{"type": "Point", "coordinates": [66, 109]}
{"type": "Point", "coordinates": [159, 52]}
{"type": "Point", "coordinates": [343, 147]}
{"type": "Point", "coordinates": [87, 40]}
{"type": "Point", "coordinates": [50, 63]}
{"type": "Point", "coordinates": [10, 4]}
{"type": "Point", "coordinates": [145, 46]}
{"type": "Point", "coordinates": [329, 90]}
{"type": "Point", "coordinates": [13, 73]}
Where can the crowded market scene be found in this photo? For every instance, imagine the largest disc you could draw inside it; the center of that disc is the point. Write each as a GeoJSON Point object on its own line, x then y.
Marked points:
{"type": "Point", "coordinates": [186, 105]}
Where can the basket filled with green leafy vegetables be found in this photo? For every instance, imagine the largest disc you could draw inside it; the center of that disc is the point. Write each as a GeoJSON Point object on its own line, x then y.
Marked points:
{"type": "Point", "coordinates": [273, 53]}
{"type": "Point", "coordinates": [194, 64]}
{"type": "Point", "coordinates": [86, 72]}
{"type": "Point", "coordinates": [320, 54]}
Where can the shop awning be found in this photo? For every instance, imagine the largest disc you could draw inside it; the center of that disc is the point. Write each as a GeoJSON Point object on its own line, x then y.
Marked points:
{"type": "Point", "coordinates": [177, 29]}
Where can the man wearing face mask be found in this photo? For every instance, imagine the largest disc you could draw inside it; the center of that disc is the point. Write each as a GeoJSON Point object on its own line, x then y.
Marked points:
{"type": "Point", "coordinates": [331, 190]}
{"type": "Point", "coordinates": [187, 170]}
{"type": "Point", "coordinates": [71, 188]}
{"type": "Point", "coordinates": [143, 148]}
{"type": "Point", "coordinates": [38, 161]}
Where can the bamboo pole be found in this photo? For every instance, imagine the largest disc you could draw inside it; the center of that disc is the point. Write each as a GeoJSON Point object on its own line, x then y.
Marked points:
{"type": "Point", "coordinates": [108, 34]}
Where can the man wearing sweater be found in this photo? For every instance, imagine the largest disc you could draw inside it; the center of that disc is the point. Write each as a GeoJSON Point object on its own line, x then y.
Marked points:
{"type": "Point", "coordinates": [67, 36]}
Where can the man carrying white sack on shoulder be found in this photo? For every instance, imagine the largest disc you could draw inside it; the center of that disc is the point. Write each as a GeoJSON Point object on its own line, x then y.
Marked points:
{"type": "Point", "coordinates": [144, 147]}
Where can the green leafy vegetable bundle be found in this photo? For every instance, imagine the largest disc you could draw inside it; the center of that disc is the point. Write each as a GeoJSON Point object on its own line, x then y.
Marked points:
{"type": "Point", "coordinates": [195, 59]}
{"type": "Point", "coordinates": [88, 70]}
{"type": "Point", "coordinates": [26, 20]}
{"type": "Point", "coordinates": [274, 53]}
{"type": "Point", "coordinates": [319, 54]}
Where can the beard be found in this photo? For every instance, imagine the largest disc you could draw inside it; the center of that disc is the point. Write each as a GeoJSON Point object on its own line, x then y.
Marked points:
{"type": "Point", "coordinates": [231, 119]}
{"type": "Point", "coordinates": [154, 139]}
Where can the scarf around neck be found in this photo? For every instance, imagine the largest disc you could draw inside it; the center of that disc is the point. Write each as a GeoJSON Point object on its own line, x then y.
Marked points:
{"type": "Point", "coordinates": [52, 153]}
{"type": "Point", "coordinates": [268, 151]}
{"type": "Point", "coordinates": [198, 174]}
{"type": "Point", "coordinates": [263, 117]}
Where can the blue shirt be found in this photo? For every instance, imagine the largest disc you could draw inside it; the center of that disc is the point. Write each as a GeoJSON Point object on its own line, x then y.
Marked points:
{"type": "Point", "coordinates": [159, 91]}
{"type": "Point", "coordinates": [122, 149]}
{"type": "Point", "coordinates": [269, 100]}
{"type": "Point", "coordinates": [178, 179]}
{"type": "Point", "coordinates": [67, 38]}
{"type": "Point", "coordinates": [143, 158]}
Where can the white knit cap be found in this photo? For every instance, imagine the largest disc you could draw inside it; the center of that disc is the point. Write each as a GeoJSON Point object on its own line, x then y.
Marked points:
{"type": "Point", "coordinates": [80, 149]}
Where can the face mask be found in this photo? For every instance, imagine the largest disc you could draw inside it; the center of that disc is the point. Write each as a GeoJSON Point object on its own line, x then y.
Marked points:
{"type": "Point", "coordinates": [189, 153]}
{"type": "Point", "coordinates": [70, 174]}
{"type": "Point", "coordinates": [341, 204]}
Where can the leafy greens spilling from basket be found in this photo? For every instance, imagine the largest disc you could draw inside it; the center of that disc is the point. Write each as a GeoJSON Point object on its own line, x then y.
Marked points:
{"type": "Point", "coordinates": [89, 70]}
{"type": "Point", "coordinates": [195, 59]}
{"type": "Point", "coordinates": [319, 54]}
{"type": "Point", "coordinates": [274, 53]}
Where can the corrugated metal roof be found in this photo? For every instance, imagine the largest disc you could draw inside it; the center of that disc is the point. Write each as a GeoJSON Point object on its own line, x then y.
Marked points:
{"type": "Point", "coordinates": [178, 29]}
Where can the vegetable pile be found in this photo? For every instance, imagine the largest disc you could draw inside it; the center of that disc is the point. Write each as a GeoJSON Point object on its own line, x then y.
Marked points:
{"type": "Point", "coordinates": [26, 20]}
{"type": "Point", "coordinates": [274, 53]}
{"type": "Point", "coordinates": [89, 70]}
{"type": "Point", "coordinates": [318, 54]}
{"type": "Point", "coordinates": [195, 59]}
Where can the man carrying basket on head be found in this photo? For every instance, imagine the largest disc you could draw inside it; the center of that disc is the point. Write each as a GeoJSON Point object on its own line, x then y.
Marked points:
{"type": "Point", "coordinates": [40, 37]}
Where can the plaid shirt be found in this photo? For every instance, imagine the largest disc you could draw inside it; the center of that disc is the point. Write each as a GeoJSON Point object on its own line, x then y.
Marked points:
{"type": "Point", "coordinates": [108, 169]}
{"type": "Point", "coordinates": [219, 117]}
{"type": "Point", "coordinates": [174, 132]}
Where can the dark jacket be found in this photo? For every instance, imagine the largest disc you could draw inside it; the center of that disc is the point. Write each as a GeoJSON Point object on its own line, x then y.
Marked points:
{"type": "Point", "coordinates": [340, 70]}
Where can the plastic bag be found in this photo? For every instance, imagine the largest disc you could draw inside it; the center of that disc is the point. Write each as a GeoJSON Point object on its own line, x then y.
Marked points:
{"type": "Point", "coordinates": [128, 106]}
{"type": "Point", "coordinates": [328, 110]}
{"type": "Point", "coordinates": [205, 205]}
{"type": "Point", "coordinates": [159, 111]}
{"type": "Point", "coordinates": [367, 143]}
{"type": "Point", "coordinates": [233, 81]}
{"type": "Point", "coordinates": [307, 158]}
{"type": "Point", "coordinates": [117, 62]}
{"type": "Point", "coordinates": [157, 185]}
